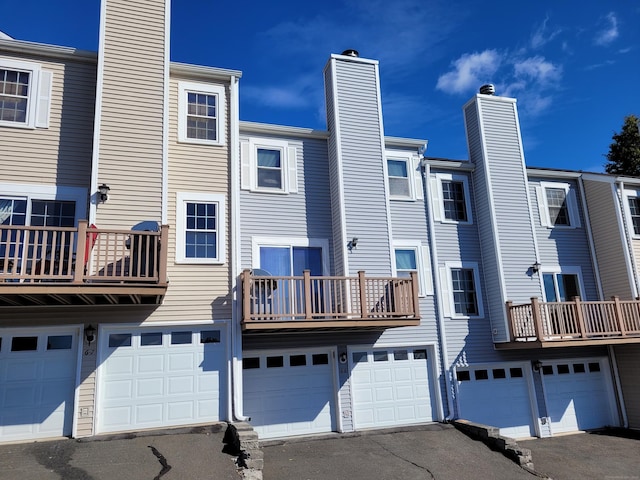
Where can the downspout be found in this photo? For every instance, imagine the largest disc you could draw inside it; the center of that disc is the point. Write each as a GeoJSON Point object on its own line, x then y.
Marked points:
{"type": "Point", "coordinates": [435, 272]}
{"type": "Point", "coordinates": [234, 211]}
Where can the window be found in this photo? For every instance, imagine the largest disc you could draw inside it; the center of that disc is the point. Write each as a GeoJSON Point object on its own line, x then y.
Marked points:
{"type": "Point", "coordinates": [461, 290]}
{"type": "Point", "coordinates": [398, 178]}
{"type": "Point", "coordinates": [201, 109]}
{"type": "Point", "coordinates": [269, 166]}
{"type": "Point", "coordinates": [404, 176]}
{"type": "Point", "coordinates": [451, 198]}
{"type": "Point", "coordinates": [25, 92]}
{"type": "Point", "coordinates": [200, 223]}
{"type": "Point", "coordinates": [562, 286]}
{"type": "Point", "coordinates": [412, 256]}
{"type": "Point", "coordinates": [558, 206]}
{"type": "Point", "coordinates": [633, 211]}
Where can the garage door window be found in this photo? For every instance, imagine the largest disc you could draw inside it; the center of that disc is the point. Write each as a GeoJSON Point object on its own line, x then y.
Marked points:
{"type": "Point", "coordinates": [482, 375]}
{"type": "Point", "coordinates": [563, 369]}
{"type": "Point", "coordinates": [463, 375]}
{"type": "Point", "coordinates": [275, 362]}
{"type": "Point", "coordinates": [150, 339]}
{"type": "Point", "coordinates": [250, 363]}
{"type": "Point", "coordinates": [515, 372]}
{"type": "Point", "coordinates": [419, 354]}
{"type": "Point", "coordinates": [181, 338]}
{"type": "Point", "coordinates": [320, 359]}
{"type": "Point", "coordinates": [399, 355]}
{"type": "Point", "coordinates": [578, 368]}
{"type": "Point", "coordinates": [594, 367]}
{"type": "Point", "coordinates": [359, 357]}
{"type": "Point", "coordinates": [24, 344]}
{"type": "Point", "coordinates": [119, 340]}
{"type": "Point", "coordinates": [59, 342]}
{"type": "Point", "coordinates": [380, 357]}
{"type": "Point", "coordinates": [297, 360]}
{"type": "Point", "coordinates": [210, 336]}
{"type": "Point", "coordinates": [499, 373]}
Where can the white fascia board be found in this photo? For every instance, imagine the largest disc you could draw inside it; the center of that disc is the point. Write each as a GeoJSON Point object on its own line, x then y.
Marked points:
{"type": "Point", "coordinates": [211, 73]}
{"type": "Point", "coordinates": [549, 173]}
{"type": "Point", "coordinates": [449, 164]}
{"type": "Point", "coordinates": [493, 98]}
{"type": "Point", "coordinates": [404, 142]}
{"type": "Point", "coordinates": [284, 130]}
{"type": "Point", "coordinates": [52, 51]}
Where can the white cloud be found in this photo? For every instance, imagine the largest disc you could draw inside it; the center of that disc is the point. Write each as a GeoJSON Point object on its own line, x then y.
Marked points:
{"type": "Point", "coordinates": [610, 31]}
{"type": "Point", "coordinates": [543, 35]}
{"type": "Point", "coordinates": [469, 71]}
{"type": "Point", "coordinates": [537, 69]}
{"type": "Point", "coordinates": [299, 93]}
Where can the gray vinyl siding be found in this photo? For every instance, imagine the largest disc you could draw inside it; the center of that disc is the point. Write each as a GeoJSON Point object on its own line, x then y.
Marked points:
{"type": "Point", "coordinates": [132, 93]}
{"type": "Point", "coordinates": [362, 174]}
{"type": "Point", "coordinates": [608, 242]}
{"type": "Point", "coordinates": [565, 247]}
{"type": "Point", "coordinates": [306, 213]}
{"type": "Point", "coordinates": [60, 154]}
{"type": "Point", "coordinates": [628, 359]}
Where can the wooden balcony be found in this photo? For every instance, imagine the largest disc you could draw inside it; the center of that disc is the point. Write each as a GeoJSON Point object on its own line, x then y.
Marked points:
{"type": "Point", "coordinates": [41, 266]}
{"type": "Point", "coordinates": [561, 324]}
{"type": "Point", "coordinates": [306, 302]}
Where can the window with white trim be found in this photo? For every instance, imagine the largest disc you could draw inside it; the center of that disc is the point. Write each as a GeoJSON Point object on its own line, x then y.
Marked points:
{"type": "Point", "coordinates": [412, 256]}
{"type": "Point", "coordinates": [562, 284]}
{"type": "Point", "coordinates": [632, 209]}
{"type": "Point", "coordinates": [462, 297]}
{"type": "Point", "coordinates": [451, 198]}
{"type": "Point", "coordinates": [201, 113]}
{"type": "Point", "coordinates": [200, 226]}
{"type": "Point", "coordinates": [25, 93]}
{"type": "Point", "coordinates": [404, 176]}
{"type": "Point", "coordinates": [557, 204]}
{"type": "Point", "coordinates": [269, 165]}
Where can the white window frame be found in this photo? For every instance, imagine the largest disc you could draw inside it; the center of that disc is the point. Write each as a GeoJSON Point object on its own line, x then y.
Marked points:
{"type": "Point", "coordinates": [423, 264]}
{"type": "Point", "coordinates": [39, 97]}
{"type": "Point", "coordinates": [555, 270]}
{"type": "Point", "coordinates": [438, 198]}
{"type": "Point", "coordinates": [184, 88]}
{"type": "Point", "coordinates": [414, 175]}
{"type": "Point", "coordinates": [630, 193]}
{"type": "Point", "coordinates": [182, 198]}
{"type": "Point", "coordinates": [447, 284]}
{"type": "Point", "coordinates": [290, 242]}
{"type": "Point", "coordinates": [571, 202]}
{"type": "Point", "coordinates": [47, 192]}
{"type": "Point", "coordinates": [288, 163]}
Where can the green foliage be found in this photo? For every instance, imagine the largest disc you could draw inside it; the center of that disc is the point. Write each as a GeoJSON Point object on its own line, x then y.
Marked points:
{"type": "Point", "coordinates": [624, 152]}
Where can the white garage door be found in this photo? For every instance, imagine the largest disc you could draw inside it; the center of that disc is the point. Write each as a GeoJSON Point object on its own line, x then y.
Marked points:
{"type": "Point", "coordinates": [391, 386]}
{"type": "Point", "coordinates": [497, 395]}
{"type": "Point", "coordinates": [579, 394]}
{"type": "Point", "coordinates": [157, 377]}
{"type": "Point", "coordinates": [37, 383]}
{"type": "Point", "coordinates": [289, 392]}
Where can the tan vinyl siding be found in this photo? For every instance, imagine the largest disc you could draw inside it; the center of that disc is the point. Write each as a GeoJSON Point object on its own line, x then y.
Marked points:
{"type": "Point", "coordinates": [609, 245]}
{"type": "Point", "coordinates": [60, 154]}
{"type": "Point", "coordinates": [87, 390]}
{"type": "Point", "coordinates": [131, 124]}
{"type": "Point", "coordinates": [628, 358]}
{"type": "Point", "coordinates": [196, 292]}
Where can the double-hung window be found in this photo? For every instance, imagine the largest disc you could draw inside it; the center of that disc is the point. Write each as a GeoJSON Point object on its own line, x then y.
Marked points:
{"type": "Point", "coordinates": [201, 113]}
{"type": "Point", "coordinates": [461, 290]}
{"type": "Point", "coordinates": [25, 92]}
{"type": "Point", "coordinates": [557, 204]}
{"type": "Point", "coordinates": [399, 185]}
{"type": "Point", "coordinates": [633, 211]}
{"type": "Point", "coordinates": [269, 166]}
{"type": "Point", "coordinates": [404, 176]}
{"type": "Point", "coordinates": [200, 224]}
{"type": "Point", "coordinates": [412, 256]}
{"type": "Point", "coordinates": [451, 198]}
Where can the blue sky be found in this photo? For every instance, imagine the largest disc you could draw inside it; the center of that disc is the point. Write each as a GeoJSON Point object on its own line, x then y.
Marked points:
{"type": "Point", "coordinates": [573, 65]}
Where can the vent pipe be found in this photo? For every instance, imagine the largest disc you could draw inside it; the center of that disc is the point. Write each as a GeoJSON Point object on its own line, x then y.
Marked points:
{"type": "Point", "coordinates": [351, 53]}
{"type": "Point", "coordinates": [488, 89]}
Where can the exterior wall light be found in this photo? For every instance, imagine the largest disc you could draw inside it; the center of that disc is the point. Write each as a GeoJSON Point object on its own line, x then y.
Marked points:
{"type": "Point", "coordinates": [353, 243]}
{"type": "Point", "coordinates": [537, 365]}
{"type": "Point", "coordinates": [103, 190]}
{"type": "Point", "coordinates": [90, 334]}
{"type": "Point", "coordinates": [535, 268]}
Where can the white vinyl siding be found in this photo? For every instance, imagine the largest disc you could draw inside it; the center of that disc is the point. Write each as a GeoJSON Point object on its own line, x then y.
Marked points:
{"type": "Point", "coordinates": [558, 205]}
{"type": "Point", "coordinates": [269, 166]}
{"type": "Point", "coordinates": [201, 113]}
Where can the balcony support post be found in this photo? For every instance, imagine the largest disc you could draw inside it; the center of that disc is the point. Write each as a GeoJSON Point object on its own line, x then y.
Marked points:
{"type": "Point", "coordinates": [164, 252]}
{"type": "Point", "coordinates": [512, 337]}
{"type": "Point", "coordinates": [537, 318]}
{"type": "Point", "coordinates": [416, 294]}
{"type": "Point", "coordinates": [364, 309]}
{"type": "Point", "coordinates": [619, 316]}
{"type": "Point", "coordinates": [245, 278]}
{"type": "Point", "coordinates": [307, 294]}
{"type": "Point", "coordinates": [580, 317]}
{"type": "Point", "coordinates": [81, 246]}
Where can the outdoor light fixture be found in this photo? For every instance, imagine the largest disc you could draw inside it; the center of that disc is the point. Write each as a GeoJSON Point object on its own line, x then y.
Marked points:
{"type": "Point", "coordinates": [537, 365]}
{"type": "Point", "coordinates": [353, 243]}
{"type": "Point", "coordinates": [103, 190]}
{"type": "Point", "coordinates": [535, 268]}
{"type": "Point", "coordinates": [90, 334]}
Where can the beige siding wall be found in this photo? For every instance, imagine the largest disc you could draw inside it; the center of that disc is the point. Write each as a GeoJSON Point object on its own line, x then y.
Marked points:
{"type": "Point", "coordinates": [609, 245]}
{"type": "Point", "coordinates": [628, 357]}
{"type": "Point", "coordinates": [60, 154]}
{"type": "Point", "coordinates": [196, 292]}
{"type": "Point", "coordinates": [131, 124]}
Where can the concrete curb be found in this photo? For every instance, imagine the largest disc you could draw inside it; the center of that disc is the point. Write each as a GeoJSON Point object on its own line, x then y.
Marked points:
{"type": "Point", "coordinates": [491, 437]}
{"type": "Point", "coordinates": [242, 441]}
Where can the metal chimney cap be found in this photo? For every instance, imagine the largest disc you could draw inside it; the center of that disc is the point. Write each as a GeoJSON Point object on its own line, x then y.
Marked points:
{"type": "Point", "coordinates": [488, 89]}
{"type": "Point", "coordinates": [350, 53]}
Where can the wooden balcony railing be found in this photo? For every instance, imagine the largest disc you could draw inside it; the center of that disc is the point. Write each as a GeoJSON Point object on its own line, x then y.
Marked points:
{"type": "Point", "coordinates": [34, 259]}
{"type": "Point", "coordinates": [312, 302]}
{"type": "Point", "coordinates": [575, 321]}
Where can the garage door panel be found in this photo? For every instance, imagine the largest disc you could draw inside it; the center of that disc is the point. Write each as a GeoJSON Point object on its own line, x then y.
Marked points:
{"type": "Point", "coordinates": [181, 362]}
{"type": "Point", "coordinates": [149, 387]}
{"type": "Point", "coordinates": [151, 364]}
{"type": "Point", "coordinates": [22, 370]}
{"type": "Point", "coordinates": [122, 365]}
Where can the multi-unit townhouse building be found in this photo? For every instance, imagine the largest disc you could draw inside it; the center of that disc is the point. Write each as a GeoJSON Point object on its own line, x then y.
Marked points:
{"type": "Point", "coordinates": [164, 264]}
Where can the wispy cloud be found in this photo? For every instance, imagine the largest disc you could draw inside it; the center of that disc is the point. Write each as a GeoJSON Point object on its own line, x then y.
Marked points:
{"type": "Point", "coordinates": [609, 32]}
{"type": "Point", "coordinates": [543, 34]}
{"type": "Point", "coordinates": [298, 93]}
{"type": "Point", "coordinates": [537, 69]}
{"type": "Point", "coordinates": [469, 71]}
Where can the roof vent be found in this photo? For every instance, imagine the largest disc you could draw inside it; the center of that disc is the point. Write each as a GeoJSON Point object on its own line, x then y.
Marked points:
{"type": "Point", "coordinates": [351, 53]}
{"type": "Point", "coordinates": [488, 89]}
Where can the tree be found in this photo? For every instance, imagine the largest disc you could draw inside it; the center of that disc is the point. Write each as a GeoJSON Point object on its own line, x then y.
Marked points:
{"type": "Point", "coordinates": [624, 153]}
